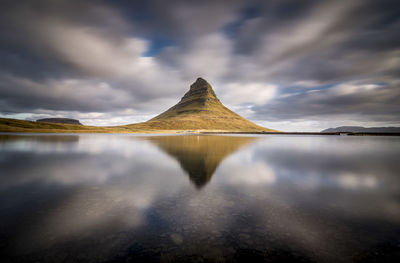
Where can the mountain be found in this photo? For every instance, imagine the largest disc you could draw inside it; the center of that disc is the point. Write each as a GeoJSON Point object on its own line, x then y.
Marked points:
{"type": "Point", "coordinates": [60, 120]}
{"type": "Point", "coordinates": [199, 109]}
{"type": "Point", "coordinates": [199, 156]}
{"type": "Point", "coordinates": [363, 129]}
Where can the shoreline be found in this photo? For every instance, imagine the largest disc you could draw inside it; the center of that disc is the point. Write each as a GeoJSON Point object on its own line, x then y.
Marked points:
{"type": "Point", "coordinates": [189, 133]}
{"type": "Point", "coordinates": [8, 126]}
{"type": "Point", "coordinates": [313, 133]}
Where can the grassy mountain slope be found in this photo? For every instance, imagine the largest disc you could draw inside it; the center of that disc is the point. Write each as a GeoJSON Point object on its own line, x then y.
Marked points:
{"type": "Point", "coordinates": [199, 109]}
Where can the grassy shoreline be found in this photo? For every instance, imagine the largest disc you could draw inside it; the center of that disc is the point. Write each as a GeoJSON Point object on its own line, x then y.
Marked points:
{"type": "Point", "coordinates": [22, 126]}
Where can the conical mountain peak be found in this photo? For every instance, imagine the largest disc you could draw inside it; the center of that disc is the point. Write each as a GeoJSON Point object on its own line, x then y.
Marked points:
{"type": "Point", "coordinates": [200, 89]}
{"type": "Point", "coordinates": [201, 84]}
{"type": "Point", "coordinates": [200, 109]}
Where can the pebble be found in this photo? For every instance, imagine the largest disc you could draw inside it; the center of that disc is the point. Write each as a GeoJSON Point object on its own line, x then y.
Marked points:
{"type": "Point", "coordinates": [176, 238]}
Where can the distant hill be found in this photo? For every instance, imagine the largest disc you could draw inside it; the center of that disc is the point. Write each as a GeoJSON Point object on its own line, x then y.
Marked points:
{"type": "Point", "coordinates": [14, 125]}
{"type": "Point", "coordinates": [200, 109]}
{"type": "Point", "coordinates": [60, 120]}
{"type": "Point", "coordinates": [363, 129]}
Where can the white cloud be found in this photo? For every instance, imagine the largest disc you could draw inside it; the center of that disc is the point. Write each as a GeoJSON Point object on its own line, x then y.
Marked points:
{"type": "Point", "coordinates": [117, 59]}
{"type": "Point", "coordinates": [93, 52]}
{"type": "Point", "coordinates": [306, 35]}
{"type": "Point", "coordinates": [248, 93]}
{"type": "Point", "coordinates": [350, 88]}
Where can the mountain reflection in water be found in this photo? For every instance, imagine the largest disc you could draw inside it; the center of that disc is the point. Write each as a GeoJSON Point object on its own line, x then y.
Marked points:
{"type": "Point", "coordinates": [199, 156]}
{"type": "Point", "coordinates": [127, 198]}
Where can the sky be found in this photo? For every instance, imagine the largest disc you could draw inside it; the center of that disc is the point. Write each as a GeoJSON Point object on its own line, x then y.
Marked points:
{"type": "Point", "coordinates": [287, 65]}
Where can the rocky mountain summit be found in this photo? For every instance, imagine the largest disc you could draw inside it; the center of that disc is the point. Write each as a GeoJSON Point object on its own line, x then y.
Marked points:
{"type": "Point", "coordinates": [200, 98]}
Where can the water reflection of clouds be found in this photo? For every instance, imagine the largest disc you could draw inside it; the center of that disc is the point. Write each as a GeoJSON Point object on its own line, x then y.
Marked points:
{"type": "Point", "coordinates": [243, 168]}
{"type": "Point", "coordinates": [89, 213]}
{"type": "Point", "coordinates": [334, 163]}
{"type": "Point", "coordinates": [38, 143]}
{"type": "Point", "coordinates": [122, 159]}
{"type": "Point", "coordinates": [324, 175]}
{"type": "Point", "coordinates": [299, 190]}
{"type": "Point", "coordinates": [248, 167]}
{"type": "Point", "coordinates": [308, 200]}
{"type": "Point", "coordinates": [109, 184]}
{"type": "Point", "coordinates": [355, 181]}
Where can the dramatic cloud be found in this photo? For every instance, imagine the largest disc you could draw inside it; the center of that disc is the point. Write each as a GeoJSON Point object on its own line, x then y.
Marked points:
{"type": "Point", "coordinates": [289, 65]}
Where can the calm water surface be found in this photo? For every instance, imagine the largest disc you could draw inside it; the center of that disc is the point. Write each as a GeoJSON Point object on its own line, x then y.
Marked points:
{"type": "Point", "coordinates": [112, 198]}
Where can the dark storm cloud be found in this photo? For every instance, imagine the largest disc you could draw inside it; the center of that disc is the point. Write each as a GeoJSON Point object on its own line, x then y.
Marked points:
{"type": "Point", "coordinates": [326, 41]}
{"type": "Point", "coordinates": [378, 103]}
{"type": "Point", "coordinates": [121, 56]}
{"type": "Point", "coordinates": [26, 95]}
{"type": "Point", "coordinates": [23, 43]}
{"type": "Point", "coordinates": [179, 20]}
{"type": "Point", "coordinates": [78, 56]}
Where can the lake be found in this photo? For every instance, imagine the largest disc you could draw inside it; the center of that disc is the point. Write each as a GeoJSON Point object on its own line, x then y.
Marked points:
{"type": "Point", "coordinates": [206, 198]}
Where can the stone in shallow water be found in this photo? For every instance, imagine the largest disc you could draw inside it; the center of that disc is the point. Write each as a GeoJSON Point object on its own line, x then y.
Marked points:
{"type": "Point", "coordinates": [176, 238]}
